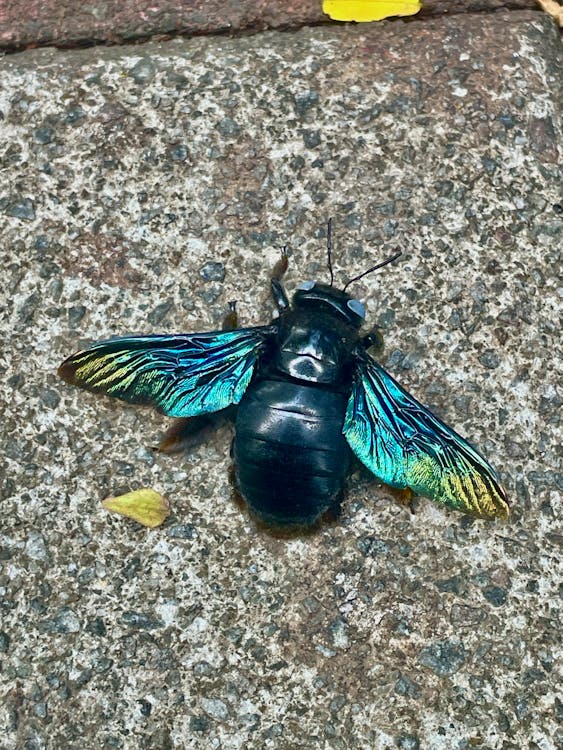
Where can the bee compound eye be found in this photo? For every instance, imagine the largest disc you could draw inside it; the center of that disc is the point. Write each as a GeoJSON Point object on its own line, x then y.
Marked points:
{"type": "Point", "coordinates": [356, 307]}
{"type": "Point", "coordinates": [306, 286]}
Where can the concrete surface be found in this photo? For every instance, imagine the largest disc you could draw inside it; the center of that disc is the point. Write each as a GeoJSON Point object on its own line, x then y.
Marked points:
{"type": "Point", "coordinates": [67, 23]}
{"type": "Point", "coordinates": [128, 173]}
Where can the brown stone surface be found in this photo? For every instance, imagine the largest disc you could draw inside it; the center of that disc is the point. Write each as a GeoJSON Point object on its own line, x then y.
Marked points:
{"type": "Point", "coordinates": [68, 23]}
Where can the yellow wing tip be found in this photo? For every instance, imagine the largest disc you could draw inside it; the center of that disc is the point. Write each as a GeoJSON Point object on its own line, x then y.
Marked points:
{"type": "Point", "coordinates": [364, 11]}
{"type": "Point", "coordinates": [500, 513]}
{"type": "Point", "coordinates": [496, 508]}
{"type": "Point", "coordinates": [503, 512]}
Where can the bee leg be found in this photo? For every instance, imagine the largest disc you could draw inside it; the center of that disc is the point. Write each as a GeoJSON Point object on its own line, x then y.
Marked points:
{"type": "Point", "coordinates": [373, 340]}
{"type": "Point", "coordinates": [236, 497]}
{"type": "Point", "coordinates": [402, 496]}
{"type": "Point", "coordinates": [187, 433]}
{"type": "Point", "coordinates": [333, 512]}
{"type": "Point", "coordinates": [230, 321]}
{"type": "Point", "coordinates": [278, 292]}
{"type": "Point", "coordinates": [184, 433]}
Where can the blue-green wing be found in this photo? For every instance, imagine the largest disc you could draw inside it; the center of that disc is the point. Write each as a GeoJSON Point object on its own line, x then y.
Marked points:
{"type": "Point", "coordinates": [181, 376]}
{"type": "Point", "coordinates": [405, 445]}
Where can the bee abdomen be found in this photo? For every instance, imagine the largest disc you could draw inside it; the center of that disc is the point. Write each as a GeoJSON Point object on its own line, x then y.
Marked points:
{"type": "Point", "coordinates": [291, 458]}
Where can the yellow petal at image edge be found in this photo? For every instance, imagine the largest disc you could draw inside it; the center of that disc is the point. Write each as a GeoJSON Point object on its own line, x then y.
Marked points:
{"type": "Point", "coordinates": [369, 10]}
{"type": "Point", "coordinates": [145, 506]}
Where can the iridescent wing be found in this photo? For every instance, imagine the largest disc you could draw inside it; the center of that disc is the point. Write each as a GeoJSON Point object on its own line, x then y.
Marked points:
{"type": "Point", "coordinates": [181, 376]}
{"type": "Point", "coordinates": [405, 445]}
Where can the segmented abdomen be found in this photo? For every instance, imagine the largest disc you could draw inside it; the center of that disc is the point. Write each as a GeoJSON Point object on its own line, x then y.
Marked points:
{"type": "Point", "coordinates": [290, 456]}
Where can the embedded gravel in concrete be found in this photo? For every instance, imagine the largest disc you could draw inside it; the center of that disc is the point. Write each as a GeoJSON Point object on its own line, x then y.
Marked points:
{"type": "Point", "coordinates": [144, 188]}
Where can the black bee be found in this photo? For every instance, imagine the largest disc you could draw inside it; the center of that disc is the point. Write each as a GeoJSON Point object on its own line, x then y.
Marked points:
{"type": "Point", "coordinates": [309, 397]}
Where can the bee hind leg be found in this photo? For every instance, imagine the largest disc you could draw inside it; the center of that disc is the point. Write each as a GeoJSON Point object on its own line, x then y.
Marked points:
{"type": "Point", "coordinates": [334, 511]}
{"type": "Point", "coordinates": [236, 495]}
{"type": "Point", "coordinates": [403, 496]}
{"type": "Point", "coordinates": [186, 433]}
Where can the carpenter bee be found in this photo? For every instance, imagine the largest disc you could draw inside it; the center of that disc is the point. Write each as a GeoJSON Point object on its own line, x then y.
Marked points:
{"type": "Point", "coordinates": [307, 398]}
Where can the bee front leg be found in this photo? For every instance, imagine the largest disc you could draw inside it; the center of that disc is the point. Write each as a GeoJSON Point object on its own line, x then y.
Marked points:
{"type": "Point", "coordinates": [373, 340]}
{"type": "Point", "coordinates": [278, 292]}
{"type": "Point", "coordinates": [230, 321]}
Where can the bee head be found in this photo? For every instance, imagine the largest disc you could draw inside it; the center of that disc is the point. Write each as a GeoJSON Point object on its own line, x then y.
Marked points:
{"type": "Point", "coordinates": [313, 295]}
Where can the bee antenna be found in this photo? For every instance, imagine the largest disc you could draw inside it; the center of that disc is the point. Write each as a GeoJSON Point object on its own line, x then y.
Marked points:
{"type": "Point", "coordinates": [374, 268]}
{"type": "Point", "coordinates": [329, 250]}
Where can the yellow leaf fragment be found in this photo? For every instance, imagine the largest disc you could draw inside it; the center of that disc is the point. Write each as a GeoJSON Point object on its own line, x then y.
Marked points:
{"type": "Point", "coordinates": [145, 506]}
{"type": "Point", "coordinates": [554, 9]}
{"type": "Point", "coordinates": [369, 10]}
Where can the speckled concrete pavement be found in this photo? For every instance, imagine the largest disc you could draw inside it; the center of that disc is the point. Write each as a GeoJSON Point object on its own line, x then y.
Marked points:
{"type": "Point", "coordinates": [141, 189]}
